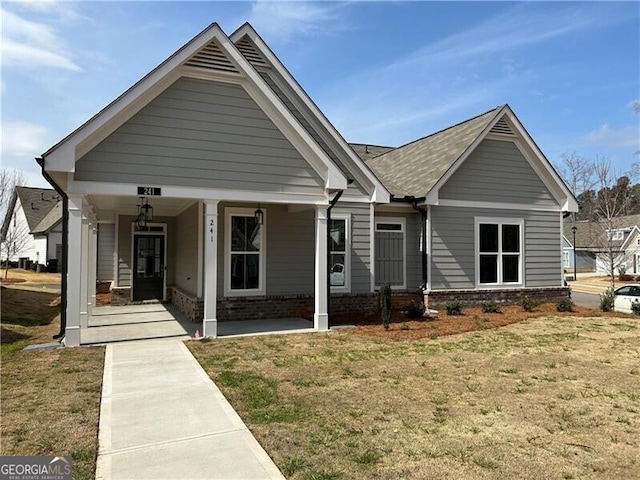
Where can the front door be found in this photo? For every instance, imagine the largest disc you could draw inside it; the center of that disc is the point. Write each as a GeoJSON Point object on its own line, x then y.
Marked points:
{"type": "Point", "coordinates": [148, 267]}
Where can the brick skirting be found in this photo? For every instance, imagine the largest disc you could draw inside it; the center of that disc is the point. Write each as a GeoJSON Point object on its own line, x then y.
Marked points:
{"type": "Point", "coordinates": [121, 296]}
{"type": "Point", "coordinates": [437, 299]}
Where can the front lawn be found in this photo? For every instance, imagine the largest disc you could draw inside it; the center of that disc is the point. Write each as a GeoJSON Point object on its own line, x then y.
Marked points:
{"type": "Point", "coordinates": [50, 399]}
{"type": "Point", "coordinates": [546, 398]}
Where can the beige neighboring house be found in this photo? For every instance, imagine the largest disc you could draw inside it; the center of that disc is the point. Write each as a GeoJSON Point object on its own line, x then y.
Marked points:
{"type": "Point", "coordinates": [215, 183]}
{"type": "Point", "coordinates": [34, 221]}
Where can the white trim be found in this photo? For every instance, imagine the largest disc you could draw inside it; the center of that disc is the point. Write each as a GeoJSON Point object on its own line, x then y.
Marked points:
{"type": "Point", "coordinates": [200, 265]}
{"type": "Point", "coordinates": [209, 223]}
{"type": "Point", "coordinates": [562, 267]}
{"type": "Point", "coordinates": [498, 205]}
{"type": "Point", "coordinates": [320, 304]}
{"type": "Point", "coordinates": [346, 288]}
{"type": "Point", "coordinates": [372, 250]}
{"type": "Point", "coordinates": [116, 251]}
{"type": "Point", "coordinates": [402, 221]}
{"type": "Point", "coordinates": [162, 233]}
{"type": "Point", "coordinates": [567, 240]}
{"type": "Point", "coordinates": [521, 264]}
{"type": "Point", "coordinates": [262, 279]}
{"type": "Point", "coordinates": [380, 193]}
{"type": "Point", "coordinates": [129, 189]}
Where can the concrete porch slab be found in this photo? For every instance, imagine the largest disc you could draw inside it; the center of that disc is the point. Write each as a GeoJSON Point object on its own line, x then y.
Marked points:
{"type": "Point", "coordinates": [264, 327]}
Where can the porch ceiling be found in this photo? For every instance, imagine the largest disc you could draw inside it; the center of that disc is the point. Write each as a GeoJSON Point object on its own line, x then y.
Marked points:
{"type": "Point", "coordinates": [162, 206]}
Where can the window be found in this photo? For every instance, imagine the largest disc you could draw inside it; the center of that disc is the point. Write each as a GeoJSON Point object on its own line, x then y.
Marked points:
{"type": "Point", "coordinates": [339, 257]}
{"type": "Point", "coordinates": [244, 253]}
{"type": "Point", "coordinates": [617, 235]}
{"type": "Point", "coordinates": [499, 252]}
{"type": "Point", "coordinates": [638, 241]}
{"type": "Point", "coordinates": [566, 259]}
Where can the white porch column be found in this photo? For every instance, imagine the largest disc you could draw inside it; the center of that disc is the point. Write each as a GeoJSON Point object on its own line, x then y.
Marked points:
{"type": "Point", "coordinates": [210, 322]}
{"type": "Point", "coordinates": [74, 271]}
{"type": "Point", "coordinates": [321, 316]}
{"type": "Point", "coordinates": [84, 265]}
{"type": "Point", "coordinates": [93, 262]}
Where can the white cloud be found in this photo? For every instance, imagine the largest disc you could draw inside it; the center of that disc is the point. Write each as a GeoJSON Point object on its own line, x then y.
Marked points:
{"type": "Point", "coordinates": [32, 45]}
{"type": "Point", "coordinates": [278, 19]}
{"type": "Point", "coordinates": [608, 137]}
{"type": "Point", "coordinates": [24, 139]}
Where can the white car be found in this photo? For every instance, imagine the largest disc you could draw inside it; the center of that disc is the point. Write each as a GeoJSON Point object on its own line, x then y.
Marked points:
{"type": "Point", "coordinates": [625, 296]}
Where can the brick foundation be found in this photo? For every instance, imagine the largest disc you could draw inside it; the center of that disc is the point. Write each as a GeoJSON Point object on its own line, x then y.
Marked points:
{"type": "Point", "coordinates": [190, 306]}
{"type": "Point", "coordinates": [437, 299]}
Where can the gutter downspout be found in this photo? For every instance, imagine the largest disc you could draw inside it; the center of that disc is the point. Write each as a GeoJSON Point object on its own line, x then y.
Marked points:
{"type": "Point", "coordinates": [65, 248]}
{"type": "Point", "coordinates": [423, 212]}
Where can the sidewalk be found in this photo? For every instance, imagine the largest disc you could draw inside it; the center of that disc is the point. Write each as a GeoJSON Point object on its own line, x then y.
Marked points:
{"type": "Point", "coordinates": [161, 417]}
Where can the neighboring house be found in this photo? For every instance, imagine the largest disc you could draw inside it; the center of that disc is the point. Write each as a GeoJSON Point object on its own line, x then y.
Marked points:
{"type": "Point", "coordinates": [594, 242]}
{"type": "Point", "coordinates": [585, 259]}
{"type": "Point", "coordinates": [217, 184]}
{"type": "Point", "coordinates": [33, 222]}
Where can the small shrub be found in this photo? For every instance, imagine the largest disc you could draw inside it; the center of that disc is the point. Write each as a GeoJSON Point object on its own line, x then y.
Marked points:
{"type": "Point", "coordinates": [415, 309]}
{"type": "Point", "coordinates": [454, 307]}
{"type": "Point", "coordinates": [637, 279]}
{"type": "Point", "coordinates": [564, 305]}
{"type": "Point", "coordinates": [529, 304]}
{"type": "Point", "coordinates": [404, 326]}
{"type": "Point", "coordinates": [606, 300]}
{"type": "Point", "coordinates": [635, 307]}
{"type": "Point", "coordinates": [385, 304]}
{"type": "Point", "coordinates": [490, 306]}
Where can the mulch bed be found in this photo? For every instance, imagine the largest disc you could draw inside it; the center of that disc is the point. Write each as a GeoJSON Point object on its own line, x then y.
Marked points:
{"type": "Point", "coordinates": [472, 319]}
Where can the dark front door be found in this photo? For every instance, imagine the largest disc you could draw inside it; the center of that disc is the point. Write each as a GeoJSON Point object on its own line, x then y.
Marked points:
{"type": "Point", "coordinates": [148, 267]}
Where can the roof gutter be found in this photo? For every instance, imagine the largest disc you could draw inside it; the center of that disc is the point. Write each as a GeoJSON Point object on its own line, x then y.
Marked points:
{"type": "Point", "coordinates": [65, 248]}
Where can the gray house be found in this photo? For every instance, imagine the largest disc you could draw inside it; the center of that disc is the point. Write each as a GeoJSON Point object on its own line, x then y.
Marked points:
{"type": "Point", "coordinates": [217, 184]}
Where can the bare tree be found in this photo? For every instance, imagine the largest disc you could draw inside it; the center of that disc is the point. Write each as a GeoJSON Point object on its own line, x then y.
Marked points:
{"type": "Point", "coordinates": [15, 235]}
{"type": "Point", "coordinates": [9, 180]}
{"type": "Point", "coordinates": [577, 172]}
{"type": "Point", "coordinates": [610, 204]}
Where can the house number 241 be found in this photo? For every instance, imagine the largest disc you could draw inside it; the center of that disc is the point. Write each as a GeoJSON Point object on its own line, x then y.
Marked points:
{"type": "Point", "coordinates": [211, 231]}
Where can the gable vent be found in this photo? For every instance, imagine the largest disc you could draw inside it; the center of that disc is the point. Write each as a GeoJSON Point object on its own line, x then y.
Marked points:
{"type": "Point", "coordinates": [502, 127]}
{"type": "Point", "coordinates": [212, 57]}
{"type": "Point", "coordinates": [249, 51]}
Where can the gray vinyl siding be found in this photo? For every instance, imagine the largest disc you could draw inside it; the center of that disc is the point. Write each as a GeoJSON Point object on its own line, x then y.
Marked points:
{"type": "Point", "coordinates": [359, 214]}
{"type": "Point", "coordinates": [453, 246]}
{"type": "Point", "coordinates": [330, 147]}
{"type": "Point", "coordinates": [106, 248]}
{"type": "Point", "coordinates": [290, 248]}
{"type": "Point", "coordinates": [125, 241]}
{"type": "Point", "coordinates": [496, 171]}
{"type": "Point", "coordinates": [205, 134]}
{"type": "Point", "coordinates": [186, 250]}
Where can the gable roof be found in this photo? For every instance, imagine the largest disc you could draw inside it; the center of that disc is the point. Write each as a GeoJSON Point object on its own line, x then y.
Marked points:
{"type": "Point", "coordinates": [210, 55]}
{"type": "Point", "coordinates": [50, 220]}
{"type": "Point", "coordinates": [366, 151]}
{"type": "Point", "coordinates": [36, 204]}
{"type": "Point", "coordinates": [592, 235]}
{"type": "Point", "coordinates": [312, 119]}
{"type": "Point", "coordinates": [413, 169]}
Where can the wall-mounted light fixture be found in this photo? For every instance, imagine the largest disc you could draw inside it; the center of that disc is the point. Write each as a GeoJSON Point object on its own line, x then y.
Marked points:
{"type": "Point", "coordinates": [259, 215]}
{"type": "Point", "coordinates": [145, 214]}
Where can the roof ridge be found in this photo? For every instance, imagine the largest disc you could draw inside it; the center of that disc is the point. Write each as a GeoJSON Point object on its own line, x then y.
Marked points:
{"type": "Point", "coordinates": [495, 109]}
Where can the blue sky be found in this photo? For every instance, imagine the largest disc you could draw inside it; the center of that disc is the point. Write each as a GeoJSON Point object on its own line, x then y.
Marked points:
{"type": "Point", "coordinates": [383, 72]}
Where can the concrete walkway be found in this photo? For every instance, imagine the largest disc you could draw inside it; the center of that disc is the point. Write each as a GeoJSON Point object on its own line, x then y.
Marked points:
{"type": "Point", "coordinates": [162, 417]}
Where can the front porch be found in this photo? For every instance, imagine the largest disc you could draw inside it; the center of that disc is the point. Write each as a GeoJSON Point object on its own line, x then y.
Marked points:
{"type": "Point", "coordinates": [109, 324]}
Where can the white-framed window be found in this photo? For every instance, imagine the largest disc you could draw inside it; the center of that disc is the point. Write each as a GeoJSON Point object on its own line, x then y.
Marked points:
{"type": "Point", "coordinates": [499, 251]}
{"type": "Point", "coordinates": [617, 235]}
{"type": "Point", "coordinates": [244, 252]}
{"type": "Point", "coordinates": [340, 253]}
{"type": "Point", "coordinates": [390, 252]}
{"type": "Point", "coordinates": [566, 261]}
{"type": "Point", "coordinates": [638, 242]}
